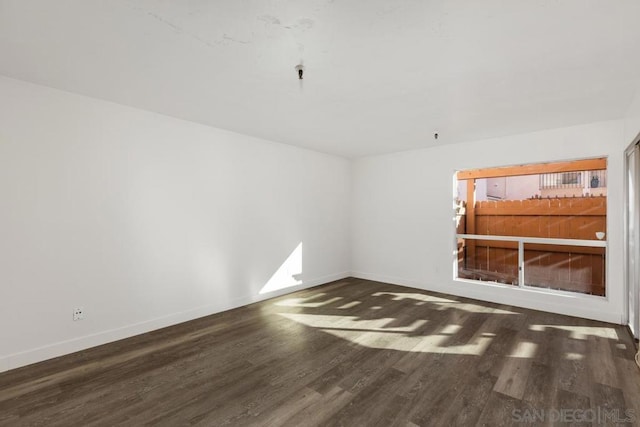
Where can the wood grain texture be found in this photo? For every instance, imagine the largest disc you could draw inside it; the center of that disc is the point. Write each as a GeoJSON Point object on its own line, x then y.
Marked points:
{"type": "Point", "coordinates": [348, 353]}
{"type": "Point", "coordinates": [564, 267]}
{"type": "Point", "coordinates": [534, 169]}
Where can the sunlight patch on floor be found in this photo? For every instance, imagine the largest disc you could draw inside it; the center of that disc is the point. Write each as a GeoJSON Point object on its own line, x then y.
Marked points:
{"type": "Point", "coordinates": [421, 299]}
{"type": "Point", "coordinates": [298, 302]}
{"type": "Point", "coordinates": [387, 340]}
{"type": "Point", "coordinates": [450, 329]}
{"type": "Point", "coordinates": [399, 296]}
{"type": "Point", "coordinates": [580, 332]}
{"type": "Point", "coordinates": [351, 322]}
{"type": "Point", "coordinates": [574, 356]}
{"type": "Point", "coordinates": [373, 333]}
{"type": "Point", "coordinates": [524, 350]}
{"type": "Point", "coordinates": [349, 305]}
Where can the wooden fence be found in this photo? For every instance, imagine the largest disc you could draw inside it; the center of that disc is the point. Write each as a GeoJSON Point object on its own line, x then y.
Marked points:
{"type": "Point", "coordinates": [573, 268]}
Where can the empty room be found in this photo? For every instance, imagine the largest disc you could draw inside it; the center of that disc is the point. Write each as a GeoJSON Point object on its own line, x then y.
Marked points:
{"type": "Point", "coordinates": [319, 213]}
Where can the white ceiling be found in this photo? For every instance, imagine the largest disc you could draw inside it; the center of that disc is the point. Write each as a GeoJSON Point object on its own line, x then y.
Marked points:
{"type": "Point", "coordinates": [381, 75]}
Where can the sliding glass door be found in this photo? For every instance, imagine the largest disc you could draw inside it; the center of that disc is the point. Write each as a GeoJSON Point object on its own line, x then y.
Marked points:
{"type": "Point", "coordinates": [633, 242]}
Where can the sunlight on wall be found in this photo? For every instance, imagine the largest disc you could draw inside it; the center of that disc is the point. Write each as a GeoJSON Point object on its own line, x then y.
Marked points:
{"type": "Point", "coordinates": [288, 274]}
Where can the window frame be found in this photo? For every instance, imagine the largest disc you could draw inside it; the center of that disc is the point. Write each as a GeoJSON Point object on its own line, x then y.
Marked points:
{"type": "Point", "coordinates": [565, 167]}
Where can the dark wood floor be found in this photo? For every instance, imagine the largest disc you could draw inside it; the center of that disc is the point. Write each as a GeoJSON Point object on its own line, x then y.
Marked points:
{"type": "Point", "coordinates": [353, 353]}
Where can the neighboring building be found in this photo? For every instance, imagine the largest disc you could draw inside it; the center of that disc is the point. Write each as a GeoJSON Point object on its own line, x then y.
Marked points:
{"type": "Point", "coordinates": [564, 184]}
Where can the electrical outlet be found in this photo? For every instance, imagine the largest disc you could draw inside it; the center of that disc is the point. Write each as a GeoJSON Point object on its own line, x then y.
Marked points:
{"type": "Point", "coordinates": [78, 313]}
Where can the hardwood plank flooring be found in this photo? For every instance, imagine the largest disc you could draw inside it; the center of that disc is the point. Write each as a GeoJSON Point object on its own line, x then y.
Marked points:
{"type": "Point", "coordinates": [348, 353]}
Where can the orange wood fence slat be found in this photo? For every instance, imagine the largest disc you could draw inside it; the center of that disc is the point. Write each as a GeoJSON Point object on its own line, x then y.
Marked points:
{"type": "Point", "coordinates": [567, 267]}
{"type": "Point", "coordinates": [579, 206]}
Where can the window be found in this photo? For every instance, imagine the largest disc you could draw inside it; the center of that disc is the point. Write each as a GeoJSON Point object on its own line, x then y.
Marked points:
{"type": "Point", "coordinates": [570, 178]}
{"type": "Point", "coordinates": [546, 229]}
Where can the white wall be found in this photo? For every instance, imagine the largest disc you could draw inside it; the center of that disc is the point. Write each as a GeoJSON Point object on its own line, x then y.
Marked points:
{"type": "Point", "coordinates": [402, 215]}
{"type": "Point", "coordinates": [632, 118]}
{"type": "Point", "coordinates": [522, 187]}
{"type": "Point", "coordinates": [480, 190]}
{"type": "Point", "coordinates": [146, 220]}
{"type": "Point", "coordinates": [517, 188]}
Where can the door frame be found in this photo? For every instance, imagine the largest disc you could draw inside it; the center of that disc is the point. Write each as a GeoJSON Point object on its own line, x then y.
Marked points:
{"type": "Point", "coordinates": [632, 248]}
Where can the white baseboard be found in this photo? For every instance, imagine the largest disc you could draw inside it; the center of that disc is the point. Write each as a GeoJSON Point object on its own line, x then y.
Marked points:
{"type": "Point", "coordinates": [388, 279]}
{"type": "Point", "coordinates": [50, 351]}
{"type": "Point", "coordinates": [542, 300]}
